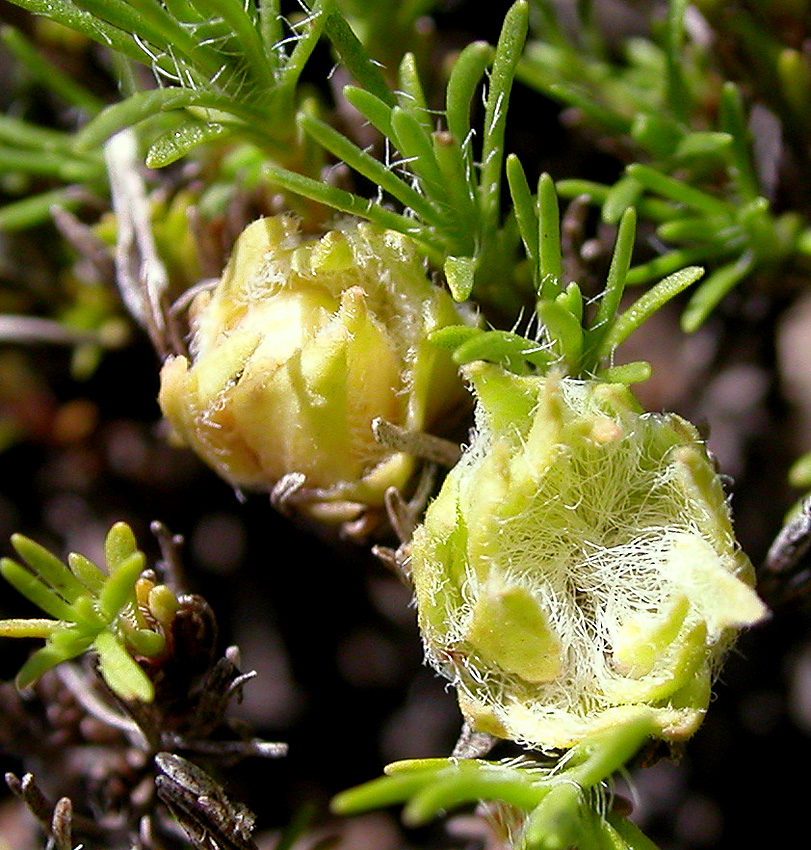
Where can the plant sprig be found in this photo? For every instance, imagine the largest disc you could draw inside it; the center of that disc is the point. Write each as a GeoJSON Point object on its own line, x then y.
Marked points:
{"type": "Point", "coordinates": [451, 203]}
{"type": "Point", "coordinates": [222, 67]}
{"type": "Point", "coordinates": [571, 337]}
{"type": "Point", "coordinates": [110, 613]}
{"type": "Point", "coordinates": [559, 803]}
{"type": "Point", "coordinates": [661, 105]}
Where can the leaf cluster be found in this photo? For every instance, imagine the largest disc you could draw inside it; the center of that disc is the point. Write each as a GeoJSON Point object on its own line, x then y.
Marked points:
{"type": "Point", "coordinates": [693, 173]}
{"type": "Point", "coordinates": [92, 610]}
{"type": "Point", "coordinates": [572, 337]}
{"type": "Point", "coordinates": [563, 805]}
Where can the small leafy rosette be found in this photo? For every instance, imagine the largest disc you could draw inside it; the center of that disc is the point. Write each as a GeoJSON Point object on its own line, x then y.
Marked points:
{"type": "Point", "coordinates": [578, 568]}
{"type": "Point", "coordinates": [299, 347]}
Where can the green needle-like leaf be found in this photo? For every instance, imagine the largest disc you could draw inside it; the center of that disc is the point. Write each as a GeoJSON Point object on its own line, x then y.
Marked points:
{"type": "Point", "coordinates": [564, 330]}
{"type": "Point", "coordinates": [526, 214]}
{"type": "Point", "coordinates": [648, 304]}
{"type": "Point", "coordinates": [677, 190]}
{"type": "Point", "coordinates": [508, 51]}
{"type": "Point", "coordinates": [34, 590]}
{"type": "Point", "coordinates": [48, 567]}
{"type": "Point", "coordinates": [90, 576]}
{"type": "Point", "coordinates": [713, 290]}
{"type": "Point", "coordinates": [614, 288]}
{"type": "Point", "coordinates": [376, 111]}
{"type": "Point", "coordinates": [555, 824]}
{"type": "Point", "coordinates": [337, 144]}
{"type": "Point", "coordinates": [139, 107]}
{"type": "Point", "coordinates": [118, 590]}
{"type": "Point", "coordinates": [354, 57]}
{"type": "Point", "coordinates": [120, 670]}
{"type": "Point", "coordinates": [40, 662]}
{"type": "Point", "coordinates": [30, 628]}
{"type": "Point", "coordinates": [550, 260]}
{"type": "Point", "coordinates": [509, 349]}
{"type": "Point", "coordinates": [464, 79]}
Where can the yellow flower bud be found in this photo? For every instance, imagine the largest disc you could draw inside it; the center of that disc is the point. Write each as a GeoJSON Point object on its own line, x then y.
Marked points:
{"type": "Point", "coordinates": [578, 568]}
{"type": "Point", "coordinates": [299, 347]}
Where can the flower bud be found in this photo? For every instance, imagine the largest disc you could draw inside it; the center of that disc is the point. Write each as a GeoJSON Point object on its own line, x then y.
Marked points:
{"type": "Point", "coordinates": [578, 567]}
{"type": "Point", "coordinates": [298, 348]}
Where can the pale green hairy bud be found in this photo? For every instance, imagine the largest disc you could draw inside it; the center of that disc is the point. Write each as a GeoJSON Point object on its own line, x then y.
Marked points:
{"type": "Point", "coordinates": [578, 567]}
{"type": "Point", "coordinates": [299, 347]}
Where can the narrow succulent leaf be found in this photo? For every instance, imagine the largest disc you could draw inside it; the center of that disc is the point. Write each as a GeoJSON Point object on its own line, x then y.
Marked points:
{"type": "Point", "coordinates": [181, 140]}
{"type": "Point", "coordinates": [556, 821]}
{"type": "Point", "coordinates": [48, 567]}
{"type": "Point", "coordinates": [564, 331]}
{"type": "Point", "coordinates": [438, 784]}
{"type": "Point", "coordinates": [411, 96]}
{"type": "Point", "coordinates": [799, 474]}
{"type": "Point", "coordinates": [712, 291]}
{"type": "Point", "coordinates": [571, 299]}
{"type": "Point", "coordinates": [182, 10]}
{"type": "Point", "coordinates": [119, 545]}
{"type": "Point", "coordinates": [72, 641]}
{"type": "Point", "coordinates": [18, 133]}
{"type": "Point", "coordinates": [414, 143]}
{"type": "Point", "coordinates": [40, 662]}
{"type": "Point", "coordinates": [145, 642]}
{"type": "Point", "coordinates": [703, 144]}
{"type": "Point", "coordinates": [137, 108]}
{"type": "Point", "coordinates": [33, 589]}
{"type": "Point", "coordinates": [344, 201]}
{"type": "Point", "coordinates": [338, 145]}
{"type": "Point", "coordinates": [244, 27]}
{"type": "Point", "coordinates": [314, 26]}
{"type": "Point", "coordinates": [657, 133]}
{"type": "Point", "coordinates": [678, 92]}
{"type": "Point", "coordinates": [602, 754]}
{"type": "Point", "coordinates": [794, 74]}
{"type": "Point", "coordinates": [550, 259]}
{"type": "Point", "coordinates": [154, 25]}
{"type": "Point", "coordinates": [652, 208]}
{"type": "Point", "coordinates": [629, 833]}
{"type": "Point", "coordinates": [676, 190]}
{"type": "Point", "coordinates": [532, 73]}
{"type": "Point", "coordinates": [74, 169]}
{"type": "Point", "coordinates": [69, 15]}
{"type": "Point", "coordinates": [30, 628]}
{"type": "Point", "coordinates": [526, 213]}
{"type": "Point", "coordinates": [508, 51]}
{"type": "Point", "coordinates": [464, 79]}
{"type": "Point", "coordinates": [378, 793]}
{"type": "Point", "coordinates": [462, 223]}
{"type": "Point", "coordinates": [503, 347]}
{"type": "Point", "coordinates": [453, 788]}
{"type": "Point", "coordinates": [119, 589]}
{"type": "Point", "coordinates": [36, 209]}
{"type": "Point", "coordinates": [270, 26]}
{"type": "Point", "coordinates": [623, 194]}
{"type": "Point", "coordinates": [617, 273]}
{"type": "Point", "coordinates": [626, 373]}
{"type": "Point", "coordinates": [697, 228]}
{"type": "Point", "coordinates": [460, 273]}
{"type": "Point", "coordinates": [664, 265]}
{"type": "Point", "coordinates": [452, 336]}
{"type": "Point", "coordinates": [376, 111]}
{"type": "Point", "coordinates": [648, 304]}
{"type": "Point", "coordinates": [120, 670]}
{"type": "Point", "coordinates": [732, 120]}
{"type": "Point", "coordinates": [354, 56]}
